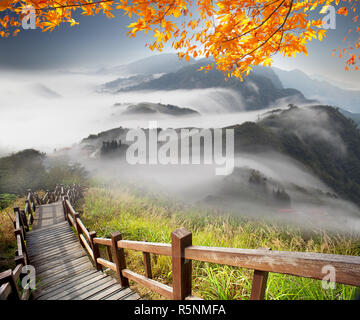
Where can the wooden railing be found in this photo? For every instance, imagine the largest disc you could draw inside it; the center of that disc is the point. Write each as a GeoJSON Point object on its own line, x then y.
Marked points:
{"type": "Point", "coordinates": [23, 220]}
{"type": "Point", "coordinates": [8, 285]}
{"type": "Point", "coordinates": [182, 252]}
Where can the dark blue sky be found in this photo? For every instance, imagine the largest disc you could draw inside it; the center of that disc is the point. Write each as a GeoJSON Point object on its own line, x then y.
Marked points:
{"type": "Point", "coordinates": [98, 41]}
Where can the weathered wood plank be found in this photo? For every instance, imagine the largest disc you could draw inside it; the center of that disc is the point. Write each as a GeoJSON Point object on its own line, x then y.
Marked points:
{"type": "Point", "coordinates": [103, 241]}
{"type": "Point", "coordinates": [163, 249]}
{"type": "Point", "coordinates": [133, 296]}
{"type": "Point", "coordinates": [50, 235]}
{"type": "Point", "coordinates": [122, 295]}
{"type": "Point", "coordinates": [75, 289]}
{"type": "Point", "coordinates": [63, 268]}
{"type": "Point", "coordinates": [303, 264]}
{"type": "Point", "coordinates": [45, 257]}
{"type": "Point", "coordinates": [153, 285]}
{"type": "Point", "coordinates": [67, 283]}
{"type": "Point", "coordinates": [5, 291]}
{"type": "Point", "coordinates": [87, 247]}
{"type": "Point", "coordinates": [53, 279]}
{"type": "Point", "coordinates": [50, 247]}
{"type": "Point", "coordinates": [259, 285]}
{"type": "Point", "coordinates": [63, 232]}
{"type": "Point", "coordinates": [147, 265]}
{"type": "Point", "coordinates": [107, 264]}
{"type": "Point", "coordinates": [90, 289]}
{"type": "Point", "coordinates": [59, 261]}
{"type": "Point", "coordinates": [116, 288]}
{"type": "Point", "coordinates": [181, 267]}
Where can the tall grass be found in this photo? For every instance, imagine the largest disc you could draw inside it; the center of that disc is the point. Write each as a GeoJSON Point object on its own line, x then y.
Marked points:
{"type": "Point", "coordinates": [8, 244]}
{"type": "Point", "coordinates": [7, 238]}
{"type": "Point", "coordinates": [145, 217]}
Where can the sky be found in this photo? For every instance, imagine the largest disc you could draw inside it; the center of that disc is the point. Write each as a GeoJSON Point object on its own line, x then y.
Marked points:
{"type": "Point", "coordinates": [98, 41]}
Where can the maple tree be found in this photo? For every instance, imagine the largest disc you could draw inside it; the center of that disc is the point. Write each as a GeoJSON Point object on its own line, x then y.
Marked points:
{"type": "Point", "coordinates": [238, 34]}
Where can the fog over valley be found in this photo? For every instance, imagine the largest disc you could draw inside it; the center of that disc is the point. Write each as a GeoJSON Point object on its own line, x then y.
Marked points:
{"type": "Point", "coordinates": [51, 102]}
{"type": "Point", "coordinates": [296, 159]}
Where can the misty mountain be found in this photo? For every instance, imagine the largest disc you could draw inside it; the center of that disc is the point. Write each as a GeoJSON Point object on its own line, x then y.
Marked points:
{"type": "Point", "coordinates": [162, 63]}
{"type": "Point", "coordinates": [43, 91]}
{"type": "Point", "coordinates": [318, 139]}
{"type": "Point", "coordinates": [125, 82]}
{"type": "Point", "coordinates": [144, 108]}
{"type": "Point", "coordinates": [353, 116]}
{"type": "Point", "coordinates": [261, 89]}
{"type": "Point", "coordinates": [322, 91]}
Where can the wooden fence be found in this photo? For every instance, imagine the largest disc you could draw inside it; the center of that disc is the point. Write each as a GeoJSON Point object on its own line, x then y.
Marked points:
{"type": "Point", "coordinates": [24, 218]}
{"type": "Point", "coordinates": [182, 252]}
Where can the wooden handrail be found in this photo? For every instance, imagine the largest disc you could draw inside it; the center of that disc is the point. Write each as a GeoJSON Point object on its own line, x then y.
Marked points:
{"type": "Point", "coordinates": [153, 285]}
{"type": "Point", "coordinates": [107, 264]}
{"type": "Point", "coordinates": [8, 284]}
{"type": "Point", "coordinates": [163, 249]}
{"type": "Point", "coordinates": [5, 291]}
{"type": "Point", "coordinates": [83, 229]}
{"type": "Point", "coordinates": [303, 264]}
{"type": "Point", "coordinates": [71, 209]}
{"type": "Point", "coordinates": [71, 220]}
{"type": "Point", "coordinates": [103, 241]}
{"type": "Point", "coordinates": [87, 247]}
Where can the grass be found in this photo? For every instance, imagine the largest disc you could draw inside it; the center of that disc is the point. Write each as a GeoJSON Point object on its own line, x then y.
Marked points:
{"type": "Point", "coordinates": [146, 217]}
{"type": "Point", "coordinates": [7, 238]}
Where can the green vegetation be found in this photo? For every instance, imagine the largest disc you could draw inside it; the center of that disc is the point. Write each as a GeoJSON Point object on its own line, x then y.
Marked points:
{"type": "Point", "coordinates": [31, 169]}
{"type": "Point", "coordinates": [320, 137]}
{"type": "Point", "coordinates": [7, 238]}
{"type": "Point", "coordinates": [143, 217]}
{"type": "Point", "coordinates": [28, 169]}
{"type": "Point", "coordinates": [6, 200]}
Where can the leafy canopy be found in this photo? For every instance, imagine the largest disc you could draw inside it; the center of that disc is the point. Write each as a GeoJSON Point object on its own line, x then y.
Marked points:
{"type": "Point", "coordinates": [238, 34]}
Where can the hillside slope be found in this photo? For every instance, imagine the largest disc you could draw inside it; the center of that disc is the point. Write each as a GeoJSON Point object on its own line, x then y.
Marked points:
{"type": "Point", "coordinates": [319, 137]}
{"type": "Point", "coordinates": [260, 89]}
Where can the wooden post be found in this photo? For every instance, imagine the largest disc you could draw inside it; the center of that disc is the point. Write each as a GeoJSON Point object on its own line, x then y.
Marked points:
{"type": "Point", "coordinates": [30, 211]}
{"type": "Point", "coordinates": [119, 258]}
{"type": "Point", "coordinates": [25, 222]}
{"type": "Point", "coordinates": [147, 265]}
{"type": "Point", "coordinates": [109, 254]}
{"type": "Point", "coordinates": [47, 195]}
{"type": "Point", "coordinates": [31, 198]}
{"type": "Point", "coordinates": [7, 276]}
{"type": "Point", "coordinates": [77, 227]}
{"type": "Point", "coordinates": [66, 210]}
{"type": "Point", "coordinates": [259, 285]}
{"type": "Point", "coordinates": [23, 246]}
{"type": "Point", "coordinates": [20, 260]}
{"type": "Point", "coordinates": [33, 203]}
{"type": "Point", "coordinates": [95, 249]}
{"type": "Point", "coordinates": [22, 216]}
{"type": "Point", "coordinates": [181, 268]}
